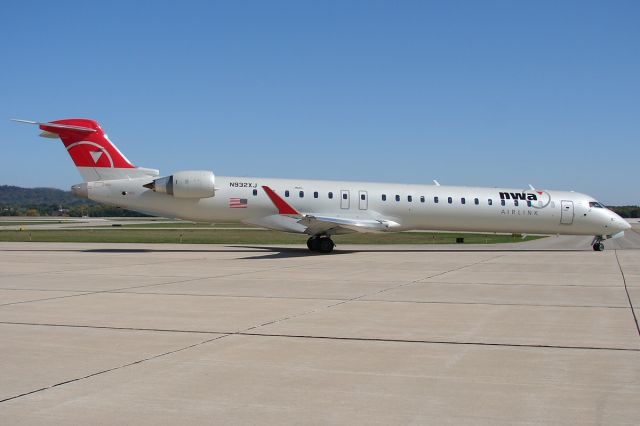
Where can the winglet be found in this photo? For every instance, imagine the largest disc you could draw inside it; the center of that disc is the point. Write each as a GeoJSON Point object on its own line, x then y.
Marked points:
{"type": "Point", "coordinates": [282, 205]}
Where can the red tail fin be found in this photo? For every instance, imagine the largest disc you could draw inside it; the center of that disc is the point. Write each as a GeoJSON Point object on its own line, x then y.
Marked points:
{"type": "Point", "coordinates": [86, 143]}
{"type": "Point", "coordinates": [95, 156]}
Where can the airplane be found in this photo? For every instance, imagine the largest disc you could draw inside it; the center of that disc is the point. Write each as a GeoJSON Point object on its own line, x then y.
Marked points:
{"type": "Point", "coordinates": [321, 208]}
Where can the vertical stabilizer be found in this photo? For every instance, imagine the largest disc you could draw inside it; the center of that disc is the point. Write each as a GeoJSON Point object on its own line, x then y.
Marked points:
{"type": "Point", "coordinates": [95, 156]}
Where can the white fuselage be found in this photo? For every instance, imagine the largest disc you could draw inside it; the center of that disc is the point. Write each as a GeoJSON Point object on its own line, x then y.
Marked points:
{"type": "Point", "coordinates": [406, 206]}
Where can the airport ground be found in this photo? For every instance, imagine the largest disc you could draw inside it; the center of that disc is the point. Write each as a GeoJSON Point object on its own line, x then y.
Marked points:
{"type": "Point", "coordinates": [159, 230]}
{"type": "Point", "coordinates": [538, 332]}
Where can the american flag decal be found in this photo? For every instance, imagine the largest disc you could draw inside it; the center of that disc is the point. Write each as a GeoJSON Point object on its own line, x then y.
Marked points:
{"type": "Point", "coordinates": [238, 203]}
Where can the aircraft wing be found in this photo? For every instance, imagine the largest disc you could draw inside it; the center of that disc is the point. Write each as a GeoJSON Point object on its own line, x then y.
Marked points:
{"type": "Point", "coordinates": [320, 224]}
{"type": "Point", "coordinates": [317, 224]}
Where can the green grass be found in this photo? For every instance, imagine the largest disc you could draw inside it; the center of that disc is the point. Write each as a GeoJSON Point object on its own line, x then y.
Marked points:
{"type": "Point", "coordinates": [239, 236]}
{"type": "Point", "coordinates": [34, 222]}
{"type": "Point", "coordinates": [187, 225]}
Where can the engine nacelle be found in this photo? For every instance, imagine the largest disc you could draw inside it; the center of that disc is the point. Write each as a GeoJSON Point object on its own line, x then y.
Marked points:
{"type": "Point", "coordinates": [187, 184]}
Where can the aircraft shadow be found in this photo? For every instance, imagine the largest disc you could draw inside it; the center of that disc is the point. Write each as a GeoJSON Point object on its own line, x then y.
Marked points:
{"type": "Point", "coordinates": [275, 252]}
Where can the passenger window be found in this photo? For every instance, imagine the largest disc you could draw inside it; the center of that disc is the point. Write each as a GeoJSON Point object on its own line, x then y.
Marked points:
{"type": "Point", "coordinates": [490, 201]}
{"type": "Point", "coordinates": [422, 199]}
{"type": "Point", "coordinates": [528, 203]}
{"type": "Point", "coordinates": [397, 198]}
{"type": "Point", "coordinates": [301, 194]}
{"type": "Point", "coordinates": [255, 192]}
{"type": "Point", "coordinates": [362, 197]}
{"type": "Point", "coordinates": [515, 203]}
{"type": "Point", "coordinates": [476, 201]}
{"type": "Point", "coordinates": [286, 193]}
{"type": "Point", "coordinates": [450, 200]}
{"type": "Point", "coordinates": [502, 202]}
{"type": "Point", "coordinates": [315, 194]}
{"type": "Point", "coordinates": [331, 195]}
{"type": "Point", "coordinates": [409, 198]}
{"type": "Point", "coordinates": [435, 200]}
{"type": "Point", "coordinates": [463, 201]}
{"type": "Point", "coordinates": [384, 197]}
{"type": "Point", "coordinates": [344, 196]}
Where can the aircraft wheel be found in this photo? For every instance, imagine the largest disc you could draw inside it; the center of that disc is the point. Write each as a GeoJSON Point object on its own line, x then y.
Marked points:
{"type": "Point", "coordinates": [325, 245]}
{"type": "Point", "coordinates": [598, 246]}
{"type": "Point", "coordinates": [310, 243]}
{"type": "Point", "coordinates": [313, 244]}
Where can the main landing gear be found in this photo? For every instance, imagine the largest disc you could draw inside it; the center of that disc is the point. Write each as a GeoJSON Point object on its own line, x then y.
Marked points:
{"type": "Point", "coordinates": [597, 244]}
{"type": "Point", "coordinates": [320, 244]}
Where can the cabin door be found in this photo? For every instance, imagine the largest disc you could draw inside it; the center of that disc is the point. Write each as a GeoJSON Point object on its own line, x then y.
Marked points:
{"type": "Point", "coordinates": [566, 214]}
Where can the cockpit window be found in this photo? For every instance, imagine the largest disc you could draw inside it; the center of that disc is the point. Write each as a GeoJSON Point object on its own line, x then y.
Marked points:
{"type": "Point", "coordinates": [596, 204]}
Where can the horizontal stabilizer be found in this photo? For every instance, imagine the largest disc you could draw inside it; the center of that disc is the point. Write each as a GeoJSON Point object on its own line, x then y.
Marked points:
{"type": "Point", "coordinates": [56, 126]}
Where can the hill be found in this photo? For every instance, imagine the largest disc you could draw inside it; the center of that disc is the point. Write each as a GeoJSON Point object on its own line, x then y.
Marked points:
{"type": "Point", "coordinates": [17, 201]}
{"type": "Point", "coordinates": [14, 195]}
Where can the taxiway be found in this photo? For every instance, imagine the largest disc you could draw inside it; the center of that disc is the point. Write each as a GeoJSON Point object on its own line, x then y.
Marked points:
{"type": "Point", "coordinates": [542, 332]}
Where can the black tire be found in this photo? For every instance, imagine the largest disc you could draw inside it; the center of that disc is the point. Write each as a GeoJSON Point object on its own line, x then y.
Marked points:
{"type": "Point", "coordinates": [313, 243]}
{"type": "Point", "coordinates": [325, 245]}
{"type": "Point", "coordinates": [598, 247]}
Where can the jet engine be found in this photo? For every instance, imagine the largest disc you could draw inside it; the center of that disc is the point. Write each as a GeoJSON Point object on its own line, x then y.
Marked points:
{"type": "Point", "coordinates": [186, 184]}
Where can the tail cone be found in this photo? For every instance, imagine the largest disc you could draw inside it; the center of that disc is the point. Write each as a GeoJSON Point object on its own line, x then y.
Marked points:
{"type": "Point", "coordinates": [80, 190]}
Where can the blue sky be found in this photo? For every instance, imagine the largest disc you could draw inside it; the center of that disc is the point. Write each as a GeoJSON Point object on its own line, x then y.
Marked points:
{"type": "Point", "coordinates": [491, 93]}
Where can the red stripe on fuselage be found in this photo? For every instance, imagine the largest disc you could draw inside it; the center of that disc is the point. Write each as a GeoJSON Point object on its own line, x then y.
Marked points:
{"type": "Point", "coordinates": [282, 205]}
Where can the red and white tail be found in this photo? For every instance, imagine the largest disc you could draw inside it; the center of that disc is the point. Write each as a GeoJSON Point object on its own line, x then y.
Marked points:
{"type": "Point", "coordinates": [91, 150]}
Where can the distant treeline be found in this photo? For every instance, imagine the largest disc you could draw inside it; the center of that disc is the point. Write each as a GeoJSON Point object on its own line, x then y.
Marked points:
{"type": "Point", "coordinates": [626, 211]}
{"type": "Point", "coordinates": [16, 201]}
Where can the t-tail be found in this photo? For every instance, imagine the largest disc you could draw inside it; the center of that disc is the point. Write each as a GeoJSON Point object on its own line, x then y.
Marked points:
{"type": "Point", "coordinates": [95, 156]}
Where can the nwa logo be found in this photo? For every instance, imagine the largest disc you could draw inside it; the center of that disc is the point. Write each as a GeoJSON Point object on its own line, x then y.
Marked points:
{"type": "Point", "coordinates": [518, 196]}
{"type": "Point", "coordinates": [543, 198]}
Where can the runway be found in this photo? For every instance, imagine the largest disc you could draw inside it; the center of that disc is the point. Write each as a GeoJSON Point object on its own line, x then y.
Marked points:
{"type": "Point", "coordinates": [542, 332]}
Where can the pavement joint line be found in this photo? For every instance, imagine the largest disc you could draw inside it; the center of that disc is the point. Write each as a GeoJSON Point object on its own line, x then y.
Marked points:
{"type": "Point", "coordinates": [107, 327]}
{"type": "Point", "coordinates": [127, 265]}
{"type": "Point", "coordinates": [444, 302]}
{"type": "Point", "coordinates": [46, 298]}
{"type": "Point", "coordinates": [108, 370]}
{"type": "Point", "coordinates": [518, 284]}
{"type": "Point", "coordinates": [346, 281]}
{"type": "Point", "coordinates": [120, 290]}
{"type": "Point", "coordinates": [438, 342]}
{"type": "Point", "coordinates": [626, 289]}
{"type": "Point", "coordinates": [247, 332]}
{"type": "Point", "coordinates": [342, 302]}
{"type": "Point", "coordinates": [100, 267]}
{"type": "Point", "coordinates": [395, 287]}
{"type": "Point", "coordinates": [41, 289]}
{"type": "Point", "coordinates": [435, 302]}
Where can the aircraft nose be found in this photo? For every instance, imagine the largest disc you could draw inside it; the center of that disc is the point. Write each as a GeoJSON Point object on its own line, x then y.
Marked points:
{"type": "Point", "coordinates": [619, 223]}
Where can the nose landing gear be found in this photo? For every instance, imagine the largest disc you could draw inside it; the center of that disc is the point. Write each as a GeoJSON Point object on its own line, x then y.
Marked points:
{"type": "Point", "coordinates": [320, 244]}
{"type": "Point", "coordinates": [597, 244]}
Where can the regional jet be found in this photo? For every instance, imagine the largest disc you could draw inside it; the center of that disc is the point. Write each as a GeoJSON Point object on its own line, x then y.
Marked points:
{"type": "Point", "coordinates": [321, 208]}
